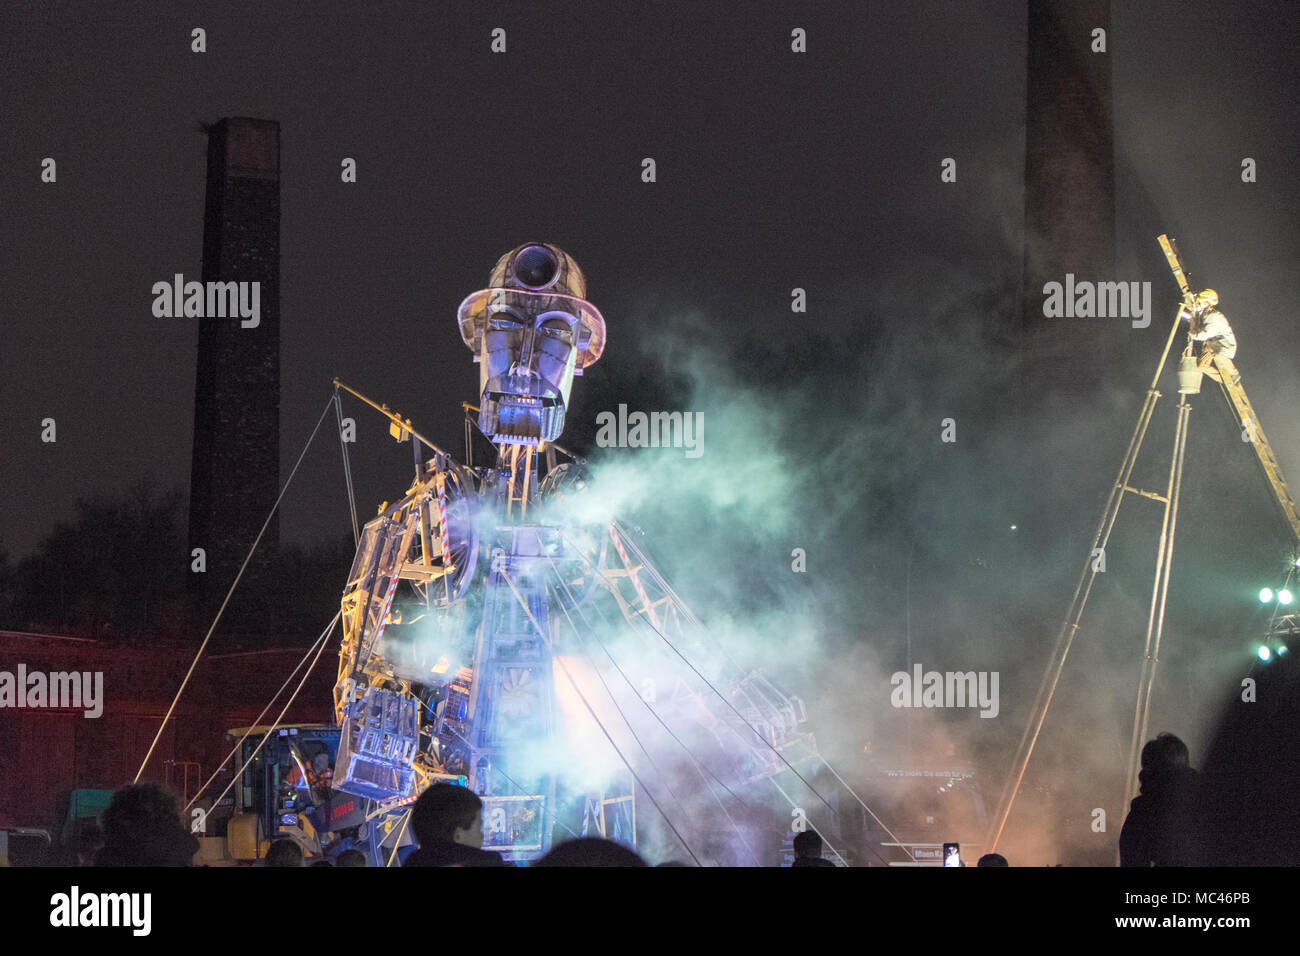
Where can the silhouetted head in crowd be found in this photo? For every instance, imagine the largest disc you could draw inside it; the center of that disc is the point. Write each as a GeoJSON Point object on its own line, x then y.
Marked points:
{"type": "Point", "coordinates": [807, 844]}
{"type": "Point", "coordinates": [808, 851]}
{"type": "Point", "coordinates": [446, 813]}
{"type": "Point", "coordinates": [351, 858]}
{"type": "Point", "coordinates": [284, 853]}
{"type": "Point", "coordinates": [142, 826]}
{"type": "Point", "coordinates": [590, 851]}
{"type": "Point", "coordinates": [1165, 821]}
{"type": "Point", "coordinates": [1164, 752]}
{"type": "Point", "coordinates": [993, 859]}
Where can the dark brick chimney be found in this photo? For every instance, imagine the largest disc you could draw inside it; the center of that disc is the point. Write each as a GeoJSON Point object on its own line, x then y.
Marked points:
{"type": "Point", "coordinates": [1069, 187]}
{"type": "Point", "coordinates": [235, 470]}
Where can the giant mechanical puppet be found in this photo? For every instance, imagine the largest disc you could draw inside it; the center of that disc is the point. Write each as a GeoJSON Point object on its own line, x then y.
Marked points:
{"type": "Point", "coordinates": [484, 594]}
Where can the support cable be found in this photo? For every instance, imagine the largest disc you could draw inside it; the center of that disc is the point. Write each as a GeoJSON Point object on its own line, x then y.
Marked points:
{"type": "Point", "coordinates": [578, 690]}
{"type": "Point", "coordinates": [699, 768]}
{"type": "Point", "coordinates": [767, 743]}
{"type": "Point", "coordinates": [780, 756]}
{"type": "Point", "coordinates": [649, 756]}
{"type": "Point", "coordinates": [234, 750]}
{"type": "Point", "coordinates": [347, 469]}
{"type": "Point", "coordinates": [283, 711]}
{"type": "Point", "coordinates": [234, 584]}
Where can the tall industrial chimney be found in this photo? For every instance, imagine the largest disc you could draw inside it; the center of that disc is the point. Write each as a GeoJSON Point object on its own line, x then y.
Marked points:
{"type": "Point", "coordinates": [235, 470]}
{"type": "Point", "coordinates": [1069, 187]}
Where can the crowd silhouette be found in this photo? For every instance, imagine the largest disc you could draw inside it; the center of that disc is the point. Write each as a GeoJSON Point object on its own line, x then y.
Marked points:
{"type": "Point", "coordinates": [1238, 810]}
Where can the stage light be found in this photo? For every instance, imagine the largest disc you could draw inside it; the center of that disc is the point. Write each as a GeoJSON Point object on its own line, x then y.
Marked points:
{"type": "Point", "coordinates": [1264, 653]}
{"type": "Point", "coordinates": [1281, 649]}
{"type": "Point", "coordinates": [1284, 596]}
{"type": "Point", "coordinates": [1265, 595]}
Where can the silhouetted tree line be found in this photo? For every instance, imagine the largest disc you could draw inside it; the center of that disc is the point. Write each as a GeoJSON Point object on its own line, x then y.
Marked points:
{"type": "Point", "coordinates": [119, 568]}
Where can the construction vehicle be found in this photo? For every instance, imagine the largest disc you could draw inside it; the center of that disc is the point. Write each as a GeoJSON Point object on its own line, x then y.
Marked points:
{"type": "Point", "coordinates": [70, 841]}
{"type": "Point", "coordinates": [283, 792]}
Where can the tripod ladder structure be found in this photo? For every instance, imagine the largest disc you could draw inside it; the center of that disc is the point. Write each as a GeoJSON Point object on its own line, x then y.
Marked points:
{"type": "Point", "coordinates": [1252, 432]}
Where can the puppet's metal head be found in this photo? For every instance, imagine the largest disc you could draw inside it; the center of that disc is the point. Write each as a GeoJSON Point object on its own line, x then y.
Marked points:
{"type": "Point", "coordinates": [532, 330]}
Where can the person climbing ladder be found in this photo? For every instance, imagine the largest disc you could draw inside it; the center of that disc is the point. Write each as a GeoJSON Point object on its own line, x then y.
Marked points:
{"type": "Point", "coordinates": [1209, 326]}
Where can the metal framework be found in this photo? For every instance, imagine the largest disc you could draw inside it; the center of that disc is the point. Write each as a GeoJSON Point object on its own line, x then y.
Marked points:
{"type": "Point", "coordinates": [412, 716]}
{"type": "Point", "coordinates": [468, 595]}
{"type": "Point", "coordinates": [1189, 384]}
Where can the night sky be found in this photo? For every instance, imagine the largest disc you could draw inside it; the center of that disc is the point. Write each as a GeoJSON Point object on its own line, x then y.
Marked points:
{"type": "Point", "coordinates": [775, 171]}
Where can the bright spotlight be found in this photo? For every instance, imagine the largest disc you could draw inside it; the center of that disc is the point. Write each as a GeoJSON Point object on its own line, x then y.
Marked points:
{"type": "Point", "coordinates": [1284, 596]}
{"type": "Point", "coordinates": [1264, 653]}
{"type": "Point", "coordinates": [1281, 649]}
{"type": "Point", "coordinates": [1265, 595]}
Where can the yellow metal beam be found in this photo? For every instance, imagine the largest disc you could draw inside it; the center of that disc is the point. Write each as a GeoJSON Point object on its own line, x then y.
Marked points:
{"type": "Point", "coordinates": [1253, 432]}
